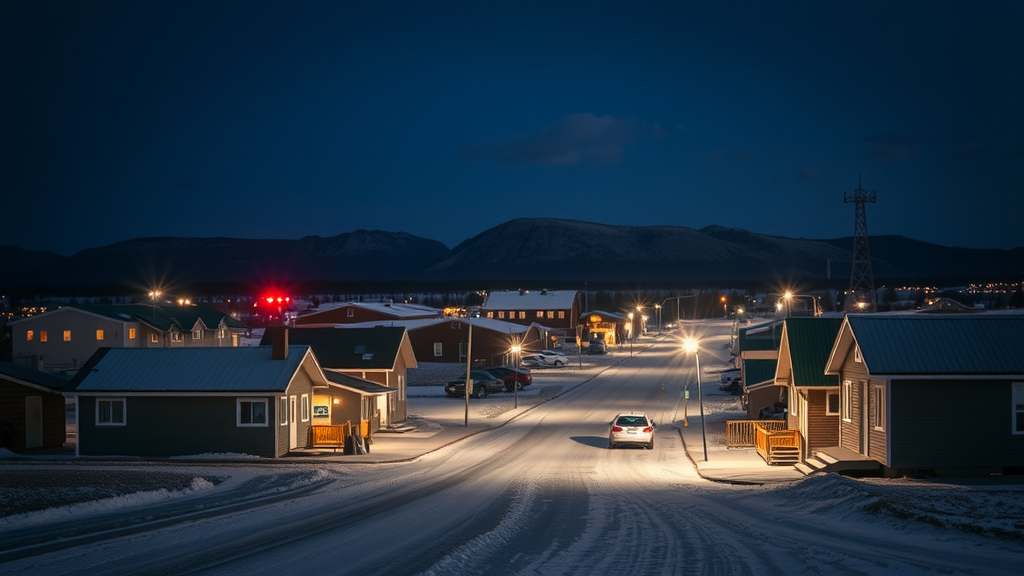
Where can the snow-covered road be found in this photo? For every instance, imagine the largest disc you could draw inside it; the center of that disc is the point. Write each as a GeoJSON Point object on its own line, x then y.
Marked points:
{"type": "Point", "coordinates": [540, 495]}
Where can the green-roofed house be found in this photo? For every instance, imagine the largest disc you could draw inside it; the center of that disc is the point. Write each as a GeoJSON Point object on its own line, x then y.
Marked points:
{"type": "Point", "coordinates": [32, 408]}
{"type": "Point", "coordinates": [757, 356]}
{"type": "Point", "coordinates": [62, 340]}
{"type": "Point", "coordinates": [378, 354]}
{"type": "Point", "coordinates": [942, 393]}
{"type": "Point", "coordinates": [813, 396]}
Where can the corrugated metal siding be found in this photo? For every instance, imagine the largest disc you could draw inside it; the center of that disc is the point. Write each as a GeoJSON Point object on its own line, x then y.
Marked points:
{"type": "Point", "coordinates": [192, 370]}
{"type": "Point", "coordinates": [940, 344]}
{"type": "Point", "coordinates": [810, 343]}
{"type": "Point", "coordinates": [941, 425]}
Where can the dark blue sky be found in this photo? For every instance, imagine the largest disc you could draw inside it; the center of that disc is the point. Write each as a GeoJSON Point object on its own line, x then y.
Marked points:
{"type": "Point", "coordinates": [443, 119]}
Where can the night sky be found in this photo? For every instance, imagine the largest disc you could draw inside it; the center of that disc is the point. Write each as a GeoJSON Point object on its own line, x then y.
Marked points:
{"type": "Point", "coordinates": [444, 119]}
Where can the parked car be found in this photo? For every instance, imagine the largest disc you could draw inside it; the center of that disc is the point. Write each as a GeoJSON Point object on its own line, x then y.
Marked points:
{"type": "Point", "coordinates": [484, 384]}
{"type": "Point", "coordinates": [510, 376]}
{"type": "Point", "coordinates": [597, 346]}
{"type": "Point", "coordinates": [631, 428]}
{"type": "Point", "coordinates": [728, 379]}
{"type": "Point", "coordinates": [544, 360]}
{"type": "Point", "coordinates": [550, 352]}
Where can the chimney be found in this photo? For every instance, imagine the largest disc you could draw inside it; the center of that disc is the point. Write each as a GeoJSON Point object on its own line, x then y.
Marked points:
{"type": "Point", "coordinates": [279, 344]}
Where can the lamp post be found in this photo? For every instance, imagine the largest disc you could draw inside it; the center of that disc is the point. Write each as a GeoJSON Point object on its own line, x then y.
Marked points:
{"type": "Point", "coordinates": [516, 352]}
{"type": "Point", "coordinates": [658, 308]}
{"type": "Point", "coordinates": [632, 330]}
{"type": "Point", "coordinates": [691, 345]}
{"type": "Point", "coordinates": [153, 295]}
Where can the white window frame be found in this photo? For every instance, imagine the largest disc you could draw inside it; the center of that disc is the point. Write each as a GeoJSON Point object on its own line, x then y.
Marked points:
{"type": "Point", "coordinates": [305, 408]}
{"type": "Point", "coordinates": [839, 403]}
{"type": "Point", "coordinates": [350, 313]}
{"type": "Point", "coordinates": [250, 401]}
{"type": "Point", "coordinates": [111, 422]}
{"type": "Point", "coordinates": [1017, 406]}
{"type": "Point", "coordinates": [197, 334]}
{"type": "Point", "coordinates": [856, 354]}
{"type": "Point", "coordinates": [154, 337]}
{"type": "Point", "coordinates": [283, 409]}
{"type": "Point", "coordinates": [878, 403]}
{"type": "Point", "coordinates": [175, 336]}
{"type": "Point", "coordinates": [847, 401]}
{"type": "Point", "coordinates": [438, 348]}
{"type": "Point", "coordinates": [794, 402]}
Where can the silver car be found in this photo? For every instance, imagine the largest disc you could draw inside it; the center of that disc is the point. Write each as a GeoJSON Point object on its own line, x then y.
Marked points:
{"type": "Point", "coordinates": [631, 428]}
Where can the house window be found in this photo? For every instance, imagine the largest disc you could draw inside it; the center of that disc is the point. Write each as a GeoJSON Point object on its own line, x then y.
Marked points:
{"type": "Point", "coordinates": [878, 403]}
{"type": "Point", "coordinates": [847, 400]}
{"type": "Point", "coordinates": [154, 338]}
{"type": "Point", "coordinates": [30, 335]}
{"type": "Point", "coordinates": [175, 336]}
{"type": "Point", "coordinates": [794, 403]}
{"type": "Point", "coordinates": [551, 313]}
{"type": "Point", "coordinates": [438, 348]}
{"type": "Point", "coordinates": [856, 354]}
{"type": "Point", "coordinates": [283, 411]}
{"type": "Point", "coordinates": [522, 314]}
{"type": "Point", "coordinates": [197, 334]}
{"type": "Point", "coordinates": [490, 314]}
{"type": "Point", "coordinates": [501, 314]}
{"type": "Point", "coordinates": [251, 412]}
{"type": "Point", "coordinates": [99, 335]}
{"type": "Point", "coordinates": [540, 313]}
{"type": "Point", "coordinates": [350, 312]}
{"type": "Point", "coordinates": [1018, 407]}
{"type": "Point", "coordinates": [561, 314]}
{"type": "Point", "coordinates": [832, 404]}
{"type": "Point", "coordinates": [221, 332]}
{"type": "Point", "coordinates": [110, 412]}
{"type": "Point", "coordinates": [305, 407]}
{"type": "Point", "coordinates": [131, 333]}
{"type": "Point", "coordinates": [42, 336]}
{"type": "Point", "coordinates": [67, 335]}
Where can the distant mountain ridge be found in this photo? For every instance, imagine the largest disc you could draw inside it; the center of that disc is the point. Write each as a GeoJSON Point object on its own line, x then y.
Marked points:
{"type": "Point", "coordinates": [528, 250]}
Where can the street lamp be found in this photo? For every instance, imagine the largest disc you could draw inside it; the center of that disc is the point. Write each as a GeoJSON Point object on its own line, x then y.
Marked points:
{"type": "Point", "coordinates": [516, 351]}
{"type": "Point", "coordinates": [153, 295]}
{"type": "Point", "coordinates": [632, 330]}
{"type": "Point", "coordinates": [658, 308]}
{"type": "Point", "coordinates": [691, 345]}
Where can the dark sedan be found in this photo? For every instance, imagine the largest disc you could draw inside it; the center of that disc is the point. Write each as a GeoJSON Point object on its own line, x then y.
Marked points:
{"type": "Point", "coordinates": [484, 384]}
{"type": "Point", "coordinates": [511, 376]}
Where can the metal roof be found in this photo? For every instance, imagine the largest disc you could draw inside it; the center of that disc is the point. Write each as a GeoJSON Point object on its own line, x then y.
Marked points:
{"type": "Point", "coordinates": [161, 317]}
{"type": "Point", "coordinates": [365, 387]}
{"type": "Point", "coordinates": [758, 371]}
{"type": "Point", "coordinates": [530, 300]}
{"type": "Point", "coordinates": [347, 348]}
{"type": "Point", "coordinates": [246, 369]}
{"type": "Point", "coordinates": [761, 337]}
{"type": "Point", "coordinates": [949, 345]}
{"type": "Point", "coordinates": [35, 377]}
{"type": "Point", "coordinates": [809, 342]}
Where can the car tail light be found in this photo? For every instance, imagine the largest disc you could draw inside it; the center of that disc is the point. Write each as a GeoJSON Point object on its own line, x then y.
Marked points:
{"type": "Point", "coordinates": [616, 428]}
{"type": "Point", "coordinates": [648, 429]}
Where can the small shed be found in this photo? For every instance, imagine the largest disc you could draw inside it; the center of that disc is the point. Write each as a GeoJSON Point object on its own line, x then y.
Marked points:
{"type": "Point", "coordinates": [32, 408]}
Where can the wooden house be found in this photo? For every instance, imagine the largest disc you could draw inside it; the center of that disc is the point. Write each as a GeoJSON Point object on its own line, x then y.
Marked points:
{"type": "Point", "coordinates": [32, 408]}
{"type": "Point", "coordinates": [359, 312]}
{"type": "Point", "coordinates": [933, 393]}
{"type": "Point", "coordinates": [62, 340]}
{"type": "Point", "coordinates": [813, 396]}
{"type": "Point", "coordinates": [555, 309]}
{"type": "Point", "coordinates": [607, 326]}
{"type": "Point", "coordinates": [162, 402]}
{"type": "Point", "coordinates": [757, 358]}
{"type": "Point", "coordinates": [379, 354]}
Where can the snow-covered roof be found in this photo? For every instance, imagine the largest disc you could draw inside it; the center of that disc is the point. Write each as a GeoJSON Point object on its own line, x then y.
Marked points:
{"type": "Point", "coordinates": [530, 300]}
{"type": "Point", "coordinates": [399, 309]}
{"type": "Point", "coordinates": [417, 323]}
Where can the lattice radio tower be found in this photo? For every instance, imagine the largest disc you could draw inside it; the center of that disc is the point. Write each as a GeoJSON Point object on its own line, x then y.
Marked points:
{"type": "Point", "coordinates": [861, 297]}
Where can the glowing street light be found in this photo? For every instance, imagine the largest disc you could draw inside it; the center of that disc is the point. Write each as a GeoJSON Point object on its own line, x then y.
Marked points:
{"type": "Point", "coordinates": [153, 295]}
{"type": "Point", "coordinates": [632, 330]}
{"type": "Point", "coordinates": [516, 351]}
{"type": "Point", "coordinates": [658, 308]}
{"type": "Point", "coordinates": [691, 345]}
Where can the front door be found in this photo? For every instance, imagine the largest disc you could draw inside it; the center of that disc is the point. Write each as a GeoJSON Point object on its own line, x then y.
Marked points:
{"type": "Point", "coordinates": [293, 425]}
{"type": "Point", "coordinates": [33, 421]}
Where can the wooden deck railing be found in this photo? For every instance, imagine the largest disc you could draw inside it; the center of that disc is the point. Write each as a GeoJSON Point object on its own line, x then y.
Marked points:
{"type": "Point", "coordinates": [333, 436]}
{"type": "Point", "coordinates": [777, 446]}
{"type": "Point", "coordinates": [741, 434]}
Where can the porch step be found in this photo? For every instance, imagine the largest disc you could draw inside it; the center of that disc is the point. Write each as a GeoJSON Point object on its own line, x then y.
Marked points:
{"type": "Point", "coordinates": [824, 462]}
{"type": "Point", "coordinates": [786, 455]}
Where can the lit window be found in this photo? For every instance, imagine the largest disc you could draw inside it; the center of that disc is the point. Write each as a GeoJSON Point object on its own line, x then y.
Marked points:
{"type": "Point", "coordinates": [251, 412]}
{"type": "Point", "coordinates": [110, 412]}
{"type": "Point", "coordinates": [154, 338]}
{"type": "Point", "coordinates": [490, 314]}
{"type": "Point", "coordinates": [540, 313]}
{"type": "Point", "coordinates": [175, 336]}
{"type": "Point", "coordinates": [30, 335]}
{"type": "Point", "coordinates": [551, 313]}
{"type": "Point", "coordinates": [131, 333]}
{"type": "Point", "coordinates": [501, 314]}
{"type": "Point", "coordinates": [561, 314]}
{"type": "Point", "coordinates": [522, 314]}
{"type": "Point", "coordinates": [67, 335]}
{"type": "Point", "coordinates": [99, 335]}
{"type": "Point", "coordinates": [438, 348]}
{"type": "Point", "coordinates": [42, 336]}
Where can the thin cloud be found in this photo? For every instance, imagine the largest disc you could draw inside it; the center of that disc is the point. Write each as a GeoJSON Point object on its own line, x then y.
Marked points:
{"type": "Point", "coordinates": [573, 139]}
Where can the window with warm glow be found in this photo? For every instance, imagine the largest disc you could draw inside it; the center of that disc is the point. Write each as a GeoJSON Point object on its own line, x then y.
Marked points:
{"type": "Point", "coordinates": [30, 335]}
{"type": "Point", "coordinates": [490, 314]}
{"type": "Point", "coordinates": [67, 335]}
{"type": "Point", "coordinates": [99, 335]}
{"type": "Point", "coordinates": [501, 314]}
{"type": "Point", "coordinates": [551, 313]}
{"type": "Point", "coordinates": [42, 336]}
{"type": "Point", "coordinates": [540, 313]}
{"type": "Point", "coordinates": [522, 315]}
{"type": "Point", "coordinates": [561, 314]}
{"type": "Point", "coordinates": [131, 333]}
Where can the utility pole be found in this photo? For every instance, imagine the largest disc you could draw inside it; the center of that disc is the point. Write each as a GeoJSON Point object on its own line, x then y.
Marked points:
{"type": "Point", "coordinates": [861, 296]}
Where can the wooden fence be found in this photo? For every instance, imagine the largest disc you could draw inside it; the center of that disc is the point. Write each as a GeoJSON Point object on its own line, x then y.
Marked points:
{"type": "Point", "coordinates": [742, 434]}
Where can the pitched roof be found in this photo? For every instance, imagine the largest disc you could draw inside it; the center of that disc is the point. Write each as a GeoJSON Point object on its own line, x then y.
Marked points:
{"type": "Point", "coordinates": [982, 344]}
{"type": "Point", "coordinates": [806, 344]}
{"type": "Point", "coordinates": [33, 377]}
{"type": "Point", "coordinates": [161, 317]}
{"type": "Point", "coordinates": [344, 347]}
{"type": "Point", "coordinates": [398, 310]}
{"type": "Point", "coordinates": [364, 387]}
{"type": "Point", "coordinates": [246, 369]}
{"type": "Point", "coordinates": [530, 300]}
{"type": "Point", "coordinates": [766, 336]}
{"type": "Point", "coordinates": [757, 372]}
{"type": "Point", "coordinates": [419, 323]}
